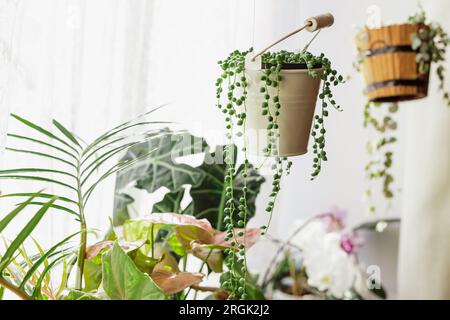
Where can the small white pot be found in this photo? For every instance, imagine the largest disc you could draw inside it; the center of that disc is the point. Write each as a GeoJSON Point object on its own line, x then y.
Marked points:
{"type": "Point", "coordinates": [298, 96]}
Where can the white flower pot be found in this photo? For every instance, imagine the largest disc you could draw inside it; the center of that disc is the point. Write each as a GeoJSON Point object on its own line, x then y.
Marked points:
{"type": "Point", "coordinates": [298, 96]}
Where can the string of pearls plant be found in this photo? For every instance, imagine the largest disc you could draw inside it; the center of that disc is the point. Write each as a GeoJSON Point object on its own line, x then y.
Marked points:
{"type": "Point", "coordinates": [231, 94]}
{"type": "Point", "coordinates": [380, 155]}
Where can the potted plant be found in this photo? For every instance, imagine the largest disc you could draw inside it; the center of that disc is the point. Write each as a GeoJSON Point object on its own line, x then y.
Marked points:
{"type": "Point", "coordinates": [395, 61]}
{"type": "Point", "coordinates": [272, 96]}
{"type": "Point", "coordinates": [202, 191]}
{"type": "Point", "coordinates": [149, 250]}
{"type": "Point", "coordinates": [319, 260]}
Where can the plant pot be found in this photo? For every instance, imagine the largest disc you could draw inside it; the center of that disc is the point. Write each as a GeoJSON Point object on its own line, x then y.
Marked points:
{"type": "Point", "coordinates": [298, 94]}
{"type": "Point", "coordinates": [389, 64]}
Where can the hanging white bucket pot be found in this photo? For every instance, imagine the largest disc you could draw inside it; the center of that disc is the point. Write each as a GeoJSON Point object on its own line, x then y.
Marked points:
{"type": "Point", "coordinates": [297, 93]}
{"type": "Point", "coordinates": [298, 96]}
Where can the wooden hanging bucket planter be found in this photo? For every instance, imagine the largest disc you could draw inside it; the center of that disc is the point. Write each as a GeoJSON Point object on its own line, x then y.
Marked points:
{"type": "Point", "coordinates": [388, 64]}
{"type": "Point", "coordinates": [298, 96]}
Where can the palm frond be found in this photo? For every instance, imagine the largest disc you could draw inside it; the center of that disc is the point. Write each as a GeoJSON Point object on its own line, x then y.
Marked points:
{"type": "Point", "coordinates": [44, 131]}
{"type": "Point", "coordinates": [20, 137]}
{"type": "Point", "coordinates": [24, 233]}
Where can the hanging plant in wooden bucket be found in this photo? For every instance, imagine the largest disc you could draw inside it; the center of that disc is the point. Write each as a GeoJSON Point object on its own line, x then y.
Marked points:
{"type": "Point", "coordinates": [268, 100]}
{"type": "Point", "coordinates": [389, 63]}
{"type": "Point", "coordinates": [395, 61]}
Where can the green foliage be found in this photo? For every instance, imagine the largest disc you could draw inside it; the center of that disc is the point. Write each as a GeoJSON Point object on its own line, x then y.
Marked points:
{"type": "Point", "coordinates": [207, 181]}
{"type": "Point", "coordinates": [381, 156]}
{"type": "Point", "coordinates": [122, 280]}
{"type": "Point", "coordinates": [85, 167]}
{"type": "Point", "coordinates": [92, 275]}
{"type": "Point", "coordinates": [430, 42]}
{"type": "Point", "coordinates": [248, 288]}
{"type": "Point", "coordinates": [231, 93]}
{"type": "Point", "coordinates": [209, 198]}
{"type": "Point", "coordinates": [27, 277]}
{"type": "Point", "coordinates": [317, 66]}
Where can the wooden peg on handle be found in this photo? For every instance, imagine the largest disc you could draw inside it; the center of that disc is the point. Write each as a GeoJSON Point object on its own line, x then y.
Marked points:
{"type": "Point", "coordinates": [319, 22]}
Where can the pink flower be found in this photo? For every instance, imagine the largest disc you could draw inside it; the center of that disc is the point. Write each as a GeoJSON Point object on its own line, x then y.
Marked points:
{"type": "Point", "coordinates": [334, 219]}
{"type": "Point", "coordinates": [351, 242]}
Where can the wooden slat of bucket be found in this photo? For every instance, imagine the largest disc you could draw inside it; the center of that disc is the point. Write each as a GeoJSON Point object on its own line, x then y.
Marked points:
{"type": "Point", "coordinates": [393, 91]}
{"type": "Point", "coordinates": [389, 66]}
{"type": "Point", "coordinates": [376, 38]}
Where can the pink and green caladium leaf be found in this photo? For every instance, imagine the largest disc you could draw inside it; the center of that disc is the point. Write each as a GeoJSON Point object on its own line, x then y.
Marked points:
{"type": "Point", "coordinates": [122, 280]}
{"type": "Point", "coordinates": [250, 237]}
{"type": "Point", "coordinates": [175, 282]}
{"type": "Point", "coordinates": [210, 253]}
{"type": "Point", "coordinates": [190, 235]}
{"type": "Point", "coordinates": [167, 275]}
{"type": "Point", "coordinates": [167, 260]}
{"type": "Point", "coordinates": [187, 228]}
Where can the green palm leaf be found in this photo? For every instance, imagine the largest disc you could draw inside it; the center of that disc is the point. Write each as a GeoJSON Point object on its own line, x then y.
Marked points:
{"type": "Point", "coordinates": [44, 258]}
{"type": "Point", "coordinates": [6, 220]}
{"type": "Point", "coordinates": [125, 124]}
{"type": "Point", "coordinates": [16, 136]}
{"type": "Point", "coordinates": [43, 131]}
{"type": "Point", "coordinates": [37, 288]}
{"type": "Point", "coordinates": [37, 195]}
{"type": "Point", "coordinates": [116, 168]}
{"type": "Point", "coordinates": [66, 132]}
{"type": "Point", "coordinates": [20, 170]}
{"type": "Point", "coordinates": [45, 155]}
{"type": "Point", "coordinates": [36, 178]}
{"type": "Point", "coordinates": [54, 206]}
{"type": "Point", "coordinates": [23, 234]}
{"type": "Point", "coordinates": [112, 134]}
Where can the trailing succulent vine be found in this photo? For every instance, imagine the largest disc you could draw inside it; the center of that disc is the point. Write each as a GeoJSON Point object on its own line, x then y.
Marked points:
{"type": "Point", "coordinates": [381, 157]}
{"type": "Point", "coordinates": [431, 43]}
{"type": "Point", "coordinates": [234, 84]}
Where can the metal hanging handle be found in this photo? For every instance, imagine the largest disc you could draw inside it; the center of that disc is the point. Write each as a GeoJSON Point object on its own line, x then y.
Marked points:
{"type": "Point", "coordinates": [311, 24]}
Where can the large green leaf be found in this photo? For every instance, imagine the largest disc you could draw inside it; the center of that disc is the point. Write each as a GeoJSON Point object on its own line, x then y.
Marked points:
{"type": "Point", "coordinates": [172, 203]}
{"type": "Point", "coordinates": [72, 294]}
{"type": "Point", "coordinates": [209, 197]}
{"type": "Point", "coordinates": [92, 275]}
{"type": "Point", "coordinates": [162, 170]}
{"type": "Point", "coordinates": [121, 214]}
{"type": "Point", "coordinates": [122, 280]}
